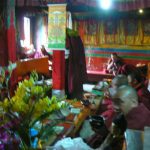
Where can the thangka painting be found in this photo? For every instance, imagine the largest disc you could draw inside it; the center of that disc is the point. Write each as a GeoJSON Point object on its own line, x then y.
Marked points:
{"type": "Point", "coordinates": [91, 28]}
{"type": "Point", "coordinates": [147, 28]}
{"type": "Point", "coordinates": [57, 26]}
{"type": "Point", "coordinates": [131, 27]}
{"type": "Point", "coordinates": [110, 27]}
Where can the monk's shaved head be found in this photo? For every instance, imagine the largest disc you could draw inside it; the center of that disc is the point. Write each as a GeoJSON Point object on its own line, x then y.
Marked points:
{"type": "Point", "coordinates": [127, 93]}
{"type": "Point", "coordinates": [120, 80]}
{"type": "Point", "coordinates": [126, 98]}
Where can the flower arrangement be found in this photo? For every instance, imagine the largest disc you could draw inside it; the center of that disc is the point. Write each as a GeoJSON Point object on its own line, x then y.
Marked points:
{"type": "Point", "coordinates": [30, 110]}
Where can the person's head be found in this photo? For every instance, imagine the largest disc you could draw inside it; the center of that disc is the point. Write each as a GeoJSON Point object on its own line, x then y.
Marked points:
{"type": "Point", "coordinates": [114, 56]}
{"type": "Point", "coordinates": [119, 80]}
{"type": "Point", "coordinates": [125, 99]}
{"type": "Point", "coordinates": [134, 78]}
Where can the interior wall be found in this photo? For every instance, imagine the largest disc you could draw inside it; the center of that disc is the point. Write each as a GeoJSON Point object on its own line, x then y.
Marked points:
{"type": "Point", "coordinates": [129, 37]}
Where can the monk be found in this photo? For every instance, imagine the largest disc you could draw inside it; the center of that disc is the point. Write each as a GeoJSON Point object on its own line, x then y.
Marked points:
{"type": "Point", "coordinates": [136, 114]}
{"type": "Point", "coordinates": [109, 113]}
{"type": "Point", "coordinates": [136, 81]}
{"type": "Point", "coordinates": [114, 64]}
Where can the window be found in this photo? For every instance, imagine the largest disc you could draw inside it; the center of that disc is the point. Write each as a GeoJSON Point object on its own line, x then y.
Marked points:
{"type": "Point", "coordinates": [26, 41]}
{"type": "Point", "coordinates": [27, 31]}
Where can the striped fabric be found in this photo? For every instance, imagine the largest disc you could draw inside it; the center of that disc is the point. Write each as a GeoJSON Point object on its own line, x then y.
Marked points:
{"type": "Point", "coordinates": [96, 58]}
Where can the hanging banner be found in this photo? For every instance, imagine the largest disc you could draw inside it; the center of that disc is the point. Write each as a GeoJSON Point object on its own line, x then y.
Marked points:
{"type": "Point", "coordinates": [57, 26]}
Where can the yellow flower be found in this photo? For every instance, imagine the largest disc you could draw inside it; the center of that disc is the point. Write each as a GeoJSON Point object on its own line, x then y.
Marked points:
{"type": "Point", "coordinates": [5, 104]}
{"type": "Point", "coordinates": [31, 105]}
{"type": "Point", "coordinates": [37, 91]}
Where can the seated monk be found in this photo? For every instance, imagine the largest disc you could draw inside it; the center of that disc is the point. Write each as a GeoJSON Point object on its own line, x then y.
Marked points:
{"type": "Point", "coordinates": [109, 113]}
{"type": "Point", "coordinates": [115, 138]}
{"type": "Point", "coordinates": [114, 63]}
{"type": "Point", "coordinates": [126, 101]}
{"type": "Point", "coordinates": [112, 138]}
{"type": "Point", "coordinates": [136, 81]}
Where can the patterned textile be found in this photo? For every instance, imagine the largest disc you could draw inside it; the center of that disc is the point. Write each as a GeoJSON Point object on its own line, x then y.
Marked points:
{"type": "Point", "coordinates": [131, 27]}
{"type": "Point", "coordinates": [100, 32]}
{"type": "Point", "coordinates": [147, 28]}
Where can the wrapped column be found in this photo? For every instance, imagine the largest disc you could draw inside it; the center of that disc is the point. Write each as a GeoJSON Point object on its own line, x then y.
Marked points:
{"type": "Point", "coordinates": [57, 43]}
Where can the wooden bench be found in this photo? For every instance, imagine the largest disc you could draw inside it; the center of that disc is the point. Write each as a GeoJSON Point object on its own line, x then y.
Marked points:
{"type": "Point", "coordinates": [25, 66]}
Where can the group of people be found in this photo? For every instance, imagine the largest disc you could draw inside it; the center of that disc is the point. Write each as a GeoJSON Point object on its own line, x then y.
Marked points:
{"type": "Point", "coordinates": [126, 105]}
{"type": "Point", "coordinates": [127, 96]}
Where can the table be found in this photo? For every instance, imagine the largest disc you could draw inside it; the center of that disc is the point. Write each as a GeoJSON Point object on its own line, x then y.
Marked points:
{"type": "Point", "coordinates": [73, 122]}
{"type": "Point", "coordinates": [77, 120]}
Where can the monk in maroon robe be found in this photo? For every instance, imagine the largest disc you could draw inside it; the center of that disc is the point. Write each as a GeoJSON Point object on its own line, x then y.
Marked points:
{"type": "Point", "coordinates": [138, 117]}
{"type": "Point", "coordinates": [126, 101]}
{"type": "Point", "coordinates": [136, 81]}
{"type": "Point", "coordinates": [114, 64]}
{"type": "Point", "coordinates": [109, 112]}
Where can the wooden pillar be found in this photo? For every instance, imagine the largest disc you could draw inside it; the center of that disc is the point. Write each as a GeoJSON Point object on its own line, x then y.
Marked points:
{"type": "Point", "coordinates": [11, 30]}
{"type": "Point", "coordinates": [11, 36]}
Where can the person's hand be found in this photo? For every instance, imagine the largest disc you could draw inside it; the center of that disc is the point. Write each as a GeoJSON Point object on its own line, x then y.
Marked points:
{"type": "Point", "coordinates": [98, 125]}
{"type": "Point", "coordinates": [87, 96]}
{"type": "Point", "coordinates": [107, 93]}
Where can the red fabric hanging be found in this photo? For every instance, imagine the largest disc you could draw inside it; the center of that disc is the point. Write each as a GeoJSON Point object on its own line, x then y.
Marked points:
{"type": "Point", "coordinates": [58, 74]}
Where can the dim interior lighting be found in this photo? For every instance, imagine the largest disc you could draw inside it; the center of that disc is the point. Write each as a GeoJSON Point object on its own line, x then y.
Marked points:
{"type": "Point", "coordinates": [105, 4]}
{"type": "Point", "coordinates": [140, 11]}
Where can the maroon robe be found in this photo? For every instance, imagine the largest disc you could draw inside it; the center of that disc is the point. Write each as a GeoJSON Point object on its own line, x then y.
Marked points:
{"type": "Point", "coordinates": [138, 118]}
{"type": "Point", "coordinates": [107, 111]}
{"type": "Point", "coordinates": [76, 69]}
{"type": "Point", "coordinates": [126, 69]}
{"type": "Point", "coordinates": [144, 96]}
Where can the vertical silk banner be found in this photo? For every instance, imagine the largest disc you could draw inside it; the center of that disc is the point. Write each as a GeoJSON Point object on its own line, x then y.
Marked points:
{"type": "Point", "coordinates": [57, 42]}
{"type": "Point", "coordinates": [57, 26]}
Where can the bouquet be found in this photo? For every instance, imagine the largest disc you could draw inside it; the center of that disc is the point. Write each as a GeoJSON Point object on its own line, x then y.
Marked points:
{"type": "Point", "coordinates": [28, 116]}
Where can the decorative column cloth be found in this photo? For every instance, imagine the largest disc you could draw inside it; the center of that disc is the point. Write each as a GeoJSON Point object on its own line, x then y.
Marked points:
{"type": "Point", "coordinates": [57, 42]}
{"type": "Point", "coordinates": [58, 73]}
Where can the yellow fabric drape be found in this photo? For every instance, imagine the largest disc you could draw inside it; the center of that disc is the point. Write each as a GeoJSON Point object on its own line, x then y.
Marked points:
{"type": "Point", "coordinates": [121, 37]}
